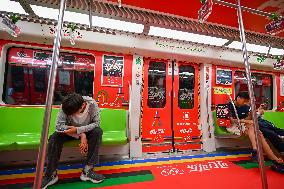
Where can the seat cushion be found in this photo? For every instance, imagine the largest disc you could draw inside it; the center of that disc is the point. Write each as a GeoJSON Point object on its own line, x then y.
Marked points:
{"type": "Point", "coordinates": [113, 119]}
{"type": "Point", "coordinates": [20, 128]}
{"type": "Point", "coordinates": [19, 141]}
{"type": "Point", "coordinates": [114, 138]}
{"type": "Point", "coordinates": [109, 138]}
{"type": "Point", "coordinates": [27, 141]}
{"type": "Point", "coordinates": [276, 118]}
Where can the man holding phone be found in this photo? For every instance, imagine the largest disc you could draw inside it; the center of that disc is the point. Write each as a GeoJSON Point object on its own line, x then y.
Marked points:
{"type": "Point", "coordinates": [78, 118]}
{"type": "Point", "coordinates": [240, 109]}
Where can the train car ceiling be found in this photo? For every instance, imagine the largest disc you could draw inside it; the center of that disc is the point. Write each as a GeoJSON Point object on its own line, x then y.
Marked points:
{"type": "Point", "coordinates": [132, 21]}
{"type": "Point", "coordinates": [80, 18]}
{"type": "Point", "coordinates": [12, 6]}
{"type": "Point", "coordinates": [223, 12]}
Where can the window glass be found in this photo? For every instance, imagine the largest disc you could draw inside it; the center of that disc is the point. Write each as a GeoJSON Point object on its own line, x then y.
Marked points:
{"type": "Point", "coordinates": [27, 73]}
{"type": "Point", "coordinates": [186, 87]}
{"type": "Point", "coordinates": [157, 85]}
{"type": "Point", "coordinates": [262, 86]}
{"type": "Point", "coordinates": [84, 83]}
{"type": "Point", "coordinates": [39, 76]}
{"type": "Point", "coordinates": [18, 82]}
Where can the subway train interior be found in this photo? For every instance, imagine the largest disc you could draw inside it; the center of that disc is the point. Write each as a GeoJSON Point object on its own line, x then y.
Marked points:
{"type": "Point", "coordinates": [139, 93]}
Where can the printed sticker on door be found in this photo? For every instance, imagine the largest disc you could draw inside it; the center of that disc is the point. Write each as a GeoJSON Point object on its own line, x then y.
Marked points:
{"type": "Point", "coordinates": [113, 71]}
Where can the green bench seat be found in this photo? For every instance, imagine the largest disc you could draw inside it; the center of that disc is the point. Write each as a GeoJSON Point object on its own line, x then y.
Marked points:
{"type": "Point", "coordinates": [275, 117]}
{"type": "Point", "coordinates": [20, 127]}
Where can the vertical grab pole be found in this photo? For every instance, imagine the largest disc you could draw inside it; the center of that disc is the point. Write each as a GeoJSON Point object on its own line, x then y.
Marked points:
{"type": "Point", "coordinates": [49, 98]}
{"type": "Point", "coordinates": [172, 105]}
{"type": "Point", "coordinates": [91, 13]}
{"type": "Point", "coordinates": [252, 99]}
{"type": "Point", "coordinates": [235, 111]}
{"type": "Point", "coordinates": [130, 110]}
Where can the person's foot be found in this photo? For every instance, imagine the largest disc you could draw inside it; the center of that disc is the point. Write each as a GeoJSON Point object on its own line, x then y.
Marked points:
{"type": "Point", "coordinates": [91, 176]}
{"type": "Point", "coordinates": [278, 167]}
{"type": "Point", "coordinates": [254, 155]}
{"type": "Point", "coordinates": [279, 161]}
{"type": "Point", "coordinates": [49, 180]}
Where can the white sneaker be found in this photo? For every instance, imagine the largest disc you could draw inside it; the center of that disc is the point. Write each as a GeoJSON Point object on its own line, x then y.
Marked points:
{"type": "Point", "coordinates": [49, 180]}
{"type": "Point", "coordinates": [91, 176]}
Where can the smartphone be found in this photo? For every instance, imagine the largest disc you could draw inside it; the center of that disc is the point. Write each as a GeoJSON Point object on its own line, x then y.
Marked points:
{"type": "Point", "coordinates": [61, 130]}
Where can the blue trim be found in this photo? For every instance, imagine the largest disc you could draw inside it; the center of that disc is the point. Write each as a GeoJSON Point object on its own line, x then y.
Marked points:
{"type": "Point", "coordinates": [125, 162]}
{"type": "Point", "coordinates": [168, 158]}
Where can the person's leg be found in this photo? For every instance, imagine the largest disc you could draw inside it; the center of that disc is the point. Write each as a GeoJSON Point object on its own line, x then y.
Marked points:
{"type": "Point", "coordinates": [265, 146]}
{"type": "Point", "coordinates": [54, 149]}
{"type": "Point", "coordinates": [250, 133]}
{"type": "Point", "coordinates": [94, 138]}
{"type": "Point", "coordinates": [273, 138]}
{"type": "Point", "coordinates": [269, 125]}
{"type": "Point", "coordinates": [278, 131]}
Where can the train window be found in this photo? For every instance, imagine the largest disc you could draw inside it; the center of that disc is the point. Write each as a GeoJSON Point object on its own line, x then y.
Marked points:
{"type": "Point", "coordinates": [15, 87]}
{"type": "Point", "coordinates": [262, 86]}
{"type": "Point", "coordinates": [157, 85]}
{"type": "Point", "coordinates": [27, 74]}
{"type": "Point", "coordinates": [18, 81]}
{"type": "Point", "coordinates": [186, 87]}
{"type": "Point", "coordinates": [84, 83]}
{"type": "Point", "coordinates": [39, 75]}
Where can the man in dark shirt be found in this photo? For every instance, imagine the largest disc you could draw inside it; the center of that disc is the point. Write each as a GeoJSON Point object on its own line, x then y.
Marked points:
{"type": "Point", "coordinates": [244, 118]}
{"type": "Point", "coordinates": [272, 133]}
{"type": "Point", "coordinates": [242, 111]}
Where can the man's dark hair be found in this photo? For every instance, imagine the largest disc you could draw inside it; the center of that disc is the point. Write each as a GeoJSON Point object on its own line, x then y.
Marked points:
{"type": "Point", "coordinates": [72, 103]}
{"type": "Point", "coordinates": [243, 94]}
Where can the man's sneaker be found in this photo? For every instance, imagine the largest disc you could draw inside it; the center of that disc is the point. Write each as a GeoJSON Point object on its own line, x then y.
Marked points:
{"type": "Point", "coordinates": [91, 176]}
{"type": "Point", "coordinates": [254, 155]}
{"type": "Point", "coordinates": [49, 180]}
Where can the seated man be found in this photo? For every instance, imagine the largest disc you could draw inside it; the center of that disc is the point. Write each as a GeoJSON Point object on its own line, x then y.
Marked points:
{"type": "Point", "coordinates": [247, 127]}
{"type": "Point", "coordinates": [79, 117]}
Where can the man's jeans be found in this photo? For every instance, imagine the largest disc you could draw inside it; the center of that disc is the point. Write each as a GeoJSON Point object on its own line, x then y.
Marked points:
{"type": "Point", "coordinates": [272, 133]}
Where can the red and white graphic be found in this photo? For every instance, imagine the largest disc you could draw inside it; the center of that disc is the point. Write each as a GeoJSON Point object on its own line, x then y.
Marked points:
{"type": "Point", "coordinates": [157, 131]}
{"type": "Point", "coordinates": [181, 169]}
{"type": "Point", "coordinates": [113, 71]}
{"type": "Point", "coordinates": [7, 24]}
